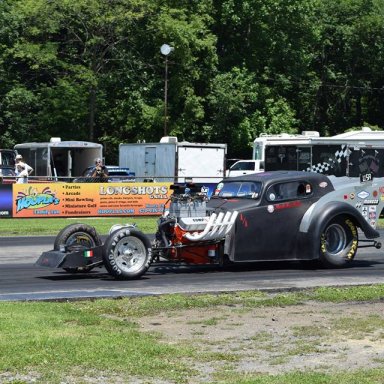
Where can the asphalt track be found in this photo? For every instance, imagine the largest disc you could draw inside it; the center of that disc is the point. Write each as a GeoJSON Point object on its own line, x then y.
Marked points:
{"type": "Point", "coordinates": [20, 280]}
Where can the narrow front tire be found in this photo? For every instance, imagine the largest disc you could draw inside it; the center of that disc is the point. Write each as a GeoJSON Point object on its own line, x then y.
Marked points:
{"type": "Point", "coordinates": [127, 254]}
{"type": "Point", "coordinates": [75, 237]}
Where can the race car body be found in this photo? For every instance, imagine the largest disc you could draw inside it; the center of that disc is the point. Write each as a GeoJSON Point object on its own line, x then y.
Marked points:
{"type": "Point", "coordinates": [283, 216]}
{"type": "Point", "coordinates": [279, 215]}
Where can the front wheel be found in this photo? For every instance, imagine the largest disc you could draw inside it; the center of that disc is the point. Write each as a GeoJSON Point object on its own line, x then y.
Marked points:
{"type": "Point", "coordinates": [77, 237]}
{"type": "Point", "coordinates": [127, 254]}
{"type": "Point", "coordinates": [338, 242]}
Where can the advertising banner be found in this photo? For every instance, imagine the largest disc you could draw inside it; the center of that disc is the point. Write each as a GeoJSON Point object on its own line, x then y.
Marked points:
{"type": "Point", "coordinates": [89, 199]}
{"type": "Point", "coordinates": [6, 200]}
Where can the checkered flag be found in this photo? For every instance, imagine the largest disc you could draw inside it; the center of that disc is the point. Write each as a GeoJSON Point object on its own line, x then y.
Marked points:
{"type": "Point", "coordinates": [325, 166]}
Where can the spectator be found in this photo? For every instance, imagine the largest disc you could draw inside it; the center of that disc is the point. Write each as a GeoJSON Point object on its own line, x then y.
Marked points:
{"type": "Point", "coordinates": [100, 173]}
{"type": "Point", "coordinates": [22, 169]}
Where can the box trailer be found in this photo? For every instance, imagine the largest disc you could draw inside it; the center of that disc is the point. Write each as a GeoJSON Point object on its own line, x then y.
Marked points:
{"type": "Point", "coordinates": [60, 159]}
{"type": "Point", "coordinates": [174, 161]}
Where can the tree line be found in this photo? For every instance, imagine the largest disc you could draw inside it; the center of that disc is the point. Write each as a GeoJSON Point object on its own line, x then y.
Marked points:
{"type": "Point", "coordinates": [92, 69]}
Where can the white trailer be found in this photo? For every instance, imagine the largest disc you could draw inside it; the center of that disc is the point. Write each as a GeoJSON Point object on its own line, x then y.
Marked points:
{"type": "Point", "coordinates": [60, 159]}
{"type": "Point", "coordinates": [174, 161]}
{"type": "Point", "coordinates": [346, 154]}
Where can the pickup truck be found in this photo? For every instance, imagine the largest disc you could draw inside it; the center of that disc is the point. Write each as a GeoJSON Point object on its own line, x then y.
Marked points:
{"type": "Point", "coordinates": [244, 167]}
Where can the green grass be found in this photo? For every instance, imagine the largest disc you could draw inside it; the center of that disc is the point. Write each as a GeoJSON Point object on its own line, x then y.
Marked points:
{"type": "Point", "coordinates": [52, 226]}
{"type": "Point", "coordinates": [358, 293]}
{"type": "Point", "coordinates": [53, 339]}
{"type": "Point", "coordinates": [358, 328]}
{"type": "Point", "coordinates": [371, 376]}
{"type": "Point", "coordinates": [56, 341]}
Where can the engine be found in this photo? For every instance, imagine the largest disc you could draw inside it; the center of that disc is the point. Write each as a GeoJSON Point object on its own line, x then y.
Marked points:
{"type": "Point", "coordinates": [186, 215]}
{"type": "Point", "coordinates": [187, 232]}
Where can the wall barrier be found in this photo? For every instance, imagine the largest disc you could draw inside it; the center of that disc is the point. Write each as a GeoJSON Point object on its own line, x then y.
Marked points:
{"type": "Point", "coordinates": [86, 199]}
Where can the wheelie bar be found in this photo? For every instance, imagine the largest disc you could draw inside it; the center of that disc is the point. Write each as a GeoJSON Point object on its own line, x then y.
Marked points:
{"type": "Point", "coordinates": [373, 243]}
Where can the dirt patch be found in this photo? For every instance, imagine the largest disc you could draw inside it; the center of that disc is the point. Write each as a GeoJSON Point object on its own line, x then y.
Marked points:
{"type": "Point", "coordinates": [314, 336]}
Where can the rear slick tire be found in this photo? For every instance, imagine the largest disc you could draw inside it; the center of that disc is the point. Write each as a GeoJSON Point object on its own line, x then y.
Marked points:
{"type": "Point", "coordinates": [338, 243]}
{"type": "Point", "coordinates": [127, 254]}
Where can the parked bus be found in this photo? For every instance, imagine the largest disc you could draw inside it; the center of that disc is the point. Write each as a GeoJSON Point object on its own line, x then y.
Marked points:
{"type": "Point", "coordinates": [347, 154]}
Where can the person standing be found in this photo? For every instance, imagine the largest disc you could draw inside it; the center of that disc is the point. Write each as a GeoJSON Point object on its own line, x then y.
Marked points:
{"type": "Point", "coordinates": [100, 173]}
{"type": "Point", "coordinates": [22, 169]}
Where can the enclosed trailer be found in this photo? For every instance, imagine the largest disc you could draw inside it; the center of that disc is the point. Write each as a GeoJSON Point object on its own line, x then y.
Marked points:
{"type": "Point", "coordinates": [347, 154]}
{"type": "Point", "coordinates": [174, 161]}
{"type": "Point", "coordinates": [60, 159]}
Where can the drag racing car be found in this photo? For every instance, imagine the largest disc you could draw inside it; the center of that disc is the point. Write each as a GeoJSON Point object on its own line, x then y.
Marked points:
{"type": "Point", "coordinates": [282, 215]}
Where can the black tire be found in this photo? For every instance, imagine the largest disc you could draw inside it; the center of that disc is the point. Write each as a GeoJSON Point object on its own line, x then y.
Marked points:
{"type": "Point", "coordinates": [338, 242]}
{"type": "Point", "coordinates": [76, 237]}
{"type": "Point", "coordinates": [127, 254]}
{"type": "Point", "coordinates": [224, 261]}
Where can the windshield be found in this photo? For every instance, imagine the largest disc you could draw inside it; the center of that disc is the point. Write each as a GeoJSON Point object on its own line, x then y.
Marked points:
{"type": "Point", "coordinates": [238, 189]}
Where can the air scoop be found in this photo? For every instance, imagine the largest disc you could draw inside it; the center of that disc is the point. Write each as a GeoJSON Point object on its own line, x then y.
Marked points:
{"type": "Point", "coordinates": [217, 227]}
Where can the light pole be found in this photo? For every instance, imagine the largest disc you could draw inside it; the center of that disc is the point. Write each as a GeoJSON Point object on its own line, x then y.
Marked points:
{"type": "Point", "coordinates": [166, 49]}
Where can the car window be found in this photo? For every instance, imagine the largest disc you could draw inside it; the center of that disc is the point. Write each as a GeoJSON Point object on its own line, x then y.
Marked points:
{"type": "Point", "coordinates": [238, 189]}
{"type": "Point", "coordinates": [289, 191]}
{"type": "Point", "coordinates": [243, 166]}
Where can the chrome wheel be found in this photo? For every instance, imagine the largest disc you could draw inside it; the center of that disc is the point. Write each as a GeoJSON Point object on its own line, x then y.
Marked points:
{"type": "Point", "coordinates": [130, 254]}
{"type": "Point", "coordinates": [127, 253]}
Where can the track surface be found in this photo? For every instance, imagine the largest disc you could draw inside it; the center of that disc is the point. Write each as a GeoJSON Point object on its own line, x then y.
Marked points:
{"type": "Point", "coordinates": [21, 280]}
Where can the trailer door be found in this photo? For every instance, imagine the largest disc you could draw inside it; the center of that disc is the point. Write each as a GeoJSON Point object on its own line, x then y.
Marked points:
{"type": "Point", "coordinates": [150, 162]}
{"type": "Point", "coordinates": [202, 164]}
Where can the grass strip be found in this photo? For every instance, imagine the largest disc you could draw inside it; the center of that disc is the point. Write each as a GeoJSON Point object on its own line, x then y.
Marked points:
{"type": "Point", "coordinates": [49, 342]}
{"type": "Point", "coordinates": [370, 376]}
